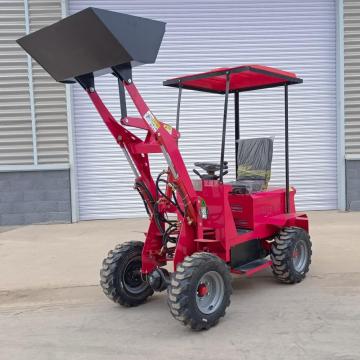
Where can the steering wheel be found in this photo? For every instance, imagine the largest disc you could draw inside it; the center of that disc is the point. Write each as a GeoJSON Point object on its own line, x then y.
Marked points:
{"type": "Point", "coordinates": [210, 168]}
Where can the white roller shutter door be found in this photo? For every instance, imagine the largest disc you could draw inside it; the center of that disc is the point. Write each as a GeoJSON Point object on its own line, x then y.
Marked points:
{"type": "Point", "coordinates": [201, 35]}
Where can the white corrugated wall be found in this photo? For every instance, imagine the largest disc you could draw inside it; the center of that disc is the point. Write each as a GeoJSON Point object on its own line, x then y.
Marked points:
{"type": "Point", "coordinates": [33, 119]}
{"type": "Point", "coordinates": [201, 35]}
{"type": "Point", "coordinates": [15, 116]}
{"type": "Point", "coordinates": [49, 96]}
{"type": "Point", "coordinates": [352, 77]}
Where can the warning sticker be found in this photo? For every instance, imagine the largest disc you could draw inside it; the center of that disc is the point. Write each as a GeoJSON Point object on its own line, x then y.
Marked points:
{"type": "Point", "coordinates": [152, 120]}
{"type": "Point", "coordinates": [168, 128]}
{"type": "Point", "coordinates": [204, 212]}
{"type": "Point", "coordinates": [155, 123]}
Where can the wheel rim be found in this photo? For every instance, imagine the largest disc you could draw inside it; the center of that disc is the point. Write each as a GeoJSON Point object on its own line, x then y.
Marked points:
{"type": "Point", "coordinates": [299, 256]}
{"type": "Point", "coordinates": [131, 277]}
{"type": "Point", "coordinates": [210, 292]}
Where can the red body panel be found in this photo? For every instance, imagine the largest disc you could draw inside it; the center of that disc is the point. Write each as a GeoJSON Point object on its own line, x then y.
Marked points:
{"type": "Point", "coordinates": [263, 213]}
{"type": "Point", "coordinates": [214, 219]}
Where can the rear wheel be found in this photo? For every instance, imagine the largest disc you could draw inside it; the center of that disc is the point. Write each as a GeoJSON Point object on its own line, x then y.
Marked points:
{"type": "Point", "coordinates": [291, 255]}
{"type": "Point", "coordinates": [120, 276]}
{"type": "Point", "coordinates": [200, 291]}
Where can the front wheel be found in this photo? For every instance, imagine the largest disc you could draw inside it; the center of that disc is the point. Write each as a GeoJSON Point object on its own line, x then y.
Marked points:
{"type": "Point", "coordinates": [200, 291]}
{"type": "Point", "coordinates": [120, 275]}
{"type": "Point", "coordinates": [291, 255]}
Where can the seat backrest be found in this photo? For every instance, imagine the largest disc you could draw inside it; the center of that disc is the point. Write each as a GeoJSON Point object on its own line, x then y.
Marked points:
{"type": "Point", "coordinates": [254, 159]}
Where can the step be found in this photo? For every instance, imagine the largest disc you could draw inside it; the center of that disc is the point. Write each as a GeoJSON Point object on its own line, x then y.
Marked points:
{"type": "Point", "coordinates": [252, 267]}
{"type": "Point", "coordinates": [241, 231]}
{"type": "Point", "coordinates": [207, 240]}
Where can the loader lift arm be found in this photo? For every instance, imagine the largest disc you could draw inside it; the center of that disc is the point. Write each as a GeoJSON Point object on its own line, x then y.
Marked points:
{"type": "Point", "coordinates": [160, 138]}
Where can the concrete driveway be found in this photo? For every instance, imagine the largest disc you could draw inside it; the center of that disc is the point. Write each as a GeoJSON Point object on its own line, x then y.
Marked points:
{"type": "Point", "coordinates": [52, 308]}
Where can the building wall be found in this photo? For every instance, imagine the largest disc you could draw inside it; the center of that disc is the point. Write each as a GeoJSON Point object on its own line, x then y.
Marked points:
{"type": "Point", "coordinates": [33, 123]}
{"type": "Point", "coordinates": [353, 184]}
{"type": "Point", "coordinates": [352, 102]}
{"type": "Point", "coordinates": [28, 197]}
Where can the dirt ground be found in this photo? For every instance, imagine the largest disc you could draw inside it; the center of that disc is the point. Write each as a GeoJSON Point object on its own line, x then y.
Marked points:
{"type": "Point", "coordinates": [51, 306]}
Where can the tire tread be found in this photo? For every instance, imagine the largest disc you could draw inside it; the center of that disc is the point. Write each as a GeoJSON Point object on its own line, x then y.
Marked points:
{"type": "Point", "coordinates": [281, 255]}
{"type": "Point", "coordinates": [178, 298]}
{"type": "Point", "coordinates": [108, 273]}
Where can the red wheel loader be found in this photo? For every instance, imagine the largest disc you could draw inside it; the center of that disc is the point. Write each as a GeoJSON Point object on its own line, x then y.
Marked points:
{"type": "Point", "coordinates": [206, 227]}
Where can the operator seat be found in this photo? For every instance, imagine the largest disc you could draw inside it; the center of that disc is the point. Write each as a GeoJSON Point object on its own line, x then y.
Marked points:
{"type": "Point", "coordinates": [254, 165]}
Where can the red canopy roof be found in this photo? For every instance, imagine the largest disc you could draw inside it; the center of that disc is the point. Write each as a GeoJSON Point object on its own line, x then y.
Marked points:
{"type": "Point", "coordinates": [242, 78]}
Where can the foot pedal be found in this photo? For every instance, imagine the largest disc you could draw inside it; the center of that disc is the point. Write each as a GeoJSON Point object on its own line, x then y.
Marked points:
{"type": "Point", "coordinates": [252, 267]}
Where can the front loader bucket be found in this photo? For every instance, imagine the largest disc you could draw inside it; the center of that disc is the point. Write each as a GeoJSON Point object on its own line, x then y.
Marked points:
{"type": "Point", "coordinates": [92, 41]}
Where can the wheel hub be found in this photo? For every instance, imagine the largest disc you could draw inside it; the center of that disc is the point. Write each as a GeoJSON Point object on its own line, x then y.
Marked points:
{"type": "Point", "coordinates": [132, 279]}
{"type": "Point", "coordinates": [210, 292]}
{"type": "Point", "coordinates": [299, 256]}
{"type": "Point", "coordinates": [202, 290]}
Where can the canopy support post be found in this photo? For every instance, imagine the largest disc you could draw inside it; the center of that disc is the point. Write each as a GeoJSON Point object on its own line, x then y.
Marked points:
{"type": "Point", "coordinates": [237, 129]}
{"type": "Point", "coordinates": [178, 107]}
{"type": "Point", "coordinates": [226, 101]}
{"type": "Point", "coordinates": [287, 202]}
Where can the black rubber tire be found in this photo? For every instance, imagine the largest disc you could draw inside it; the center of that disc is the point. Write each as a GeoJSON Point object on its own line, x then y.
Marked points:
{"type": "Point", "coordinates": [282, 255]}
{"type": "Point", "coordinates": [112, 275]}
{"type": "Point", "coordinates": [183, 288]}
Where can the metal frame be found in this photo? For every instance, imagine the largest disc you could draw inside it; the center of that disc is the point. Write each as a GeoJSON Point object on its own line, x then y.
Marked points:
{"type": "Point", "coordinates": [237, 128]}
{"type": "Point", "coordinates": [176, 82]}
{"type": "Point", "coordinates": [341, 156]}
{"type": "Point", "coordinates": [177, 126]}
{"type": "Point", "coordinates": [223, 139]}
{"type": "Point", "coordinates": [237, 132]}
{"type": "Point", "coordinates": [287, 81]}
{"type": "Point", "coordinates": [287, 180]}
{"type": "Point", "coordinates": [31, 87]}
{"type": "Point", "coordinates": [75, 210]}
{"type": "Point", "coordinates": [187, 87]}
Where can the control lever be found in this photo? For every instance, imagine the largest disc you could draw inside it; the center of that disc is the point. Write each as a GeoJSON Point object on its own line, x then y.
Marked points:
{"type": "Point", "coordinates": [197, 173]}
